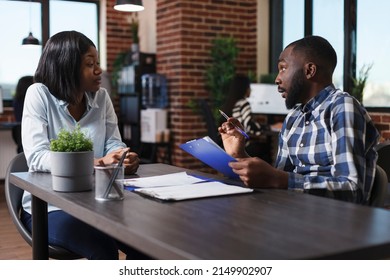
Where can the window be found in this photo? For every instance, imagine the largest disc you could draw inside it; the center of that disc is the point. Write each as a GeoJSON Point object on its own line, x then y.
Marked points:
{"type": "Point", "coordinates": [17, 60]}
{"type": "Point", "coordinates": [373, 44]}
{"type": "Point", "coordinates": [293, 21]}
{"type": "Point", "coordinates": [83, 18]}
{"type": "Point", "coordinates": [370, 40]}
{"type": "Point", "coordinates": [331, 29]}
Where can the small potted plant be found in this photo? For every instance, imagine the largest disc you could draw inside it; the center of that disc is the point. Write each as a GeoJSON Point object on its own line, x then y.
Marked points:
{"type": "Point", "coordinates": [72, 161]}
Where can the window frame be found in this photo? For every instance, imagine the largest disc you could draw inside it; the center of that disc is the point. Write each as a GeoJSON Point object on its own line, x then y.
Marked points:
{"type": "Point", "coordinates": [45, 26]}
{"type": "Point", "coordinates": [350, 41]}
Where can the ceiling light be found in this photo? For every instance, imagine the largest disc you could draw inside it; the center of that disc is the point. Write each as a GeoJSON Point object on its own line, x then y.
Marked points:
{"type": "Point", "coordinates": [30, 39]}
{"type": "Point", "coordinates": [129, 5]}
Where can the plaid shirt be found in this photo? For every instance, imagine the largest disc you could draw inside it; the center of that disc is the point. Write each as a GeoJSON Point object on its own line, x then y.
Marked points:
{"type": "Point", "coordinates": [328, 144]}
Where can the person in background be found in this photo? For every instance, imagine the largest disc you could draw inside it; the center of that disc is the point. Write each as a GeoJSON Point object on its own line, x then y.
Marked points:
{"type": "Point", "coordinates": [20, 93]}
{"type": "Point", "coordinates": [66, 93]}
{"type": "Point", "coordinates": [326, 145]}
{"type": "Point", "coordinates": [237, 106]}
{"type": "Point", "coordinates": [18, 102]}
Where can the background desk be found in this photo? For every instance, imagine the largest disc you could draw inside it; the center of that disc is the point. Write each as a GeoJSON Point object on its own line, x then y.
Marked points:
{"type": "Point", "coordinates": [7, 146]}
{"type": "Point", "coordinates": [269, 224]}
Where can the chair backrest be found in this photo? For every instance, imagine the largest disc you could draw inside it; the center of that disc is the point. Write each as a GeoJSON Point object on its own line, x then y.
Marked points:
{"type": "Point", "coordinates": [379, 188]}
{"type": "Point", "coordinates": [13, 196]}
{"type": "Point", "coordinates": [383, 150]}
{"type": "Point", "coordinates": [17, 137]}
{"type": "Point", "coordinates": [212, 129]}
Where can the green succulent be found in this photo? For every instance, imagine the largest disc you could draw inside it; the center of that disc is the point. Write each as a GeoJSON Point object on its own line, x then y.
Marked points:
{"type": "Point", "coordinates": [71, 141]}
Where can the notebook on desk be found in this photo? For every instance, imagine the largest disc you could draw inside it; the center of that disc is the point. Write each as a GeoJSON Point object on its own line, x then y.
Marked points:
{"type": "Point", "coordinates": [192, 191]}
{"type": "Point", "coordinates": [207, 151]}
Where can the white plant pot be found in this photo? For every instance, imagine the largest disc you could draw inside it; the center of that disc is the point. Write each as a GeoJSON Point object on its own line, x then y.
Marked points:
{"type": "Point", "coordinates": [72, 171]}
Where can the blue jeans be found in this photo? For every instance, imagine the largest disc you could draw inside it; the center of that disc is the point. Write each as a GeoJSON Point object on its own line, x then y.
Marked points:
{"type": "Point", "coordinates": [74, 235]}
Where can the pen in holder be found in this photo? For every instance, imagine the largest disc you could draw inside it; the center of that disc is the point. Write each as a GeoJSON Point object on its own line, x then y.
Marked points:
{"type": "Point", "coordinates": [108, 180]}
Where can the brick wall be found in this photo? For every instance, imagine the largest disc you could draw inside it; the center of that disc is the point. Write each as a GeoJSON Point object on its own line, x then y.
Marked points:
{"type": "Point", "coordinates": [185, 30]}
{"type": "Point", "coordinates": [382, 123]}
{"type": "Point", "coordinates": [118, 33]}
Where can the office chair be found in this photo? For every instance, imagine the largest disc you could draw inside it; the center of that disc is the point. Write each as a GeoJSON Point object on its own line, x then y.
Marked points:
{"type": "Point", "coordinates": [17, 137]}
{"type": "Point", "coordinates": [13, 197]}
{"type": "Point", "coordinates": [383, 150]}
{"type": "Point", "coordinates": [212, 129]}
{"type": "Point", "coordinates": [383, 161]}
{"type": "Point", "coordinates": [379, 188]}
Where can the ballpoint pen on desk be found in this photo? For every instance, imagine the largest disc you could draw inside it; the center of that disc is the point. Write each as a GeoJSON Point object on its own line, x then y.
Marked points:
{"type": "Point", "coordinates": [235, 126]}
{"type": "Point", "coordinates": [114, 175]}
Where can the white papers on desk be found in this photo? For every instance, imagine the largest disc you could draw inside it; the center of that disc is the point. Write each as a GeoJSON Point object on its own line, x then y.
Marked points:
{"type": "Point", "coordinates": [174, 179]}
{"type": "Point", "coordinates": [190, 191]}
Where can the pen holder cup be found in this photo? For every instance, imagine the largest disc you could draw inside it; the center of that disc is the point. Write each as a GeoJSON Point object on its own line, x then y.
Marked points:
{"type": "Point", "coordinates": [106, 186]}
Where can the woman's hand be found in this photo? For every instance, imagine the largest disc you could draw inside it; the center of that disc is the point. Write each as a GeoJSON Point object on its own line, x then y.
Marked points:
{"type": "Point", "coordinates": [131, 162]}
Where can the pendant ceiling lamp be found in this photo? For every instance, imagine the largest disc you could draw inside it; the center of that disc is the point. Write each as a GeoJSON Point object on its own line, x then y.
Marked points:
{"type": "Point", "coordinates": [30, 39]}
{"type": "Point", "coordinates": [129, 5]}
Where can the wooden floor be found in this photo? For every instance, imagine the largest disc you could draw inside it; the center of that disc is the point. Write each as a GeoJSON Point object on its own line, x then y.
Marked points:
{"type": "Point", "coordinates": [12, 245]}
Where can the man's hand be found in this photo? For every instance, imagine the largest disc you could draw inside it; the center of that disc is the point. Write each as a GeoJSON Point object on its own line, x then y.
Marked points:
{"type": "Point", "coordinates": [233, 140]}
{"type": "Point", "coordinates": [256, 173]}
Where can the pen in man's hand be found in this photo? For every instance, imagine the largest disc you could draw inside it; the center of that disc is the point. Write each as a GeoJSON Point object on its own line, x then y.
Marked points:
{"type": "Point", "coordinates": [235, 126]}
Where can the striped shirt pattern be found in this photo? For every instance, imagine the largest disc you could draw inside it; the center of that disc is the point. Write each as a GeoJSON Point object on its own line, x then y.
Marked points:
{"type": "Point", "coordinates": [243, 113]}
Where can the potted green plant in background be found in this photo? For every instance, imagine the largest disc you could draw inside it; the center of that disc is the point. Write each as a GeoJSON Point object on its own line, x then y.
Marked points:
{"type": "Point", "coordinates": [72, 161]}
{"type": "Point", "coordinates": [223, 53]}
{"type": "Point", "coordinates": [360, 82]}
{"type": "Point", "coordinates": [218, 75]}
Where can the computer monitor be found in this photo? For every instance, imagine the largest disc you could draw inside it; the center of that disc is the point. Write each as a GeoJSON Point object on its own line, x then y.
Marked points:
{"type": "Point", "coordinates": [265, 99]}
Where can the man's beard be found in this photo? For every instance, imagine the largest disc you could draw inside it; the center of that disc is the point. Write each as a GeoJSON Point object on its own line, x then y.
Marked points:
{"type": "Point", "coordinates": [296, 91]}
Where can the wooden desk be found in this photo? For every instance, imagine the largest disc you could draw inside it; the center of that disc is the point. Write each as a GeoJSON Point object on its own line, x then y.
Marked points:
{"type": "Point", "coordinates": [8, 147]}
{"type": "Point", "coordinates": [269, 224]}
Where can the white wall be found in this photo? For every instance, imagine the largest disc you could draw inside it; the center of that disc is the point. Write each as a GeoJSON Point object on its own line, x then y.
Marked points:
{"type": "Point", "coordinates": [147, 27]}
{"type": "Point", "coordinates": [262, 37]}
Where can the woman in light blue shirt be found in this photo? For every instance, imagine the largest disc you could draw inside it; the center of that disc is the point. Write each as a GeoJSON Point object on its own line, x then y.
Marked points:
{"type": "Point", "coordinates": [67, 92]}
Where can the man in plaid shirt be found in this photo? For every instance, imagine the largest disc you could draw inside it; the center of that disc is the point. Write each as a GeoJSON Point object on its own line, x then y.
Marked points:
{"type": "Point", "coordinates": [326, 145]}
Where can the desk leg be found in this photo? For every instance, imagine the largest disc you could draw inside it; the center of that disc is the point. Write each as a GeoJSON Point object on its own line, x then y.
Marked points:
{"type": "Point", "coordinates": [40, 236]}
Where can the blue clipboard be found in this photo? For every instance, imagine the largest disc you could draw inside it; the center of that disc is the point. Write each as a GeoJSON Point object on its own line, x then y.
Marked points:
{"type": "Point", "coordinates": [207, 151]}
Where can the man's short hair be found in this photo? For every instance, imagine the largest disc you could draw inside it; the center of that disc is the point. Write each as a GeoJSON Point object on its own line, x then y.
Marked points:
{"type": "Point", "coordinates": [317, 50]}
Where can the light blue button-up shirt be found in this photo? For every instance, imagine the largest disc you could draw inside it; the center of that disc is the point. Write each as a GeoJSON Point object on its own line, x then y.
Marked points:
{"type": "Point", "coordinates": [44, 116]}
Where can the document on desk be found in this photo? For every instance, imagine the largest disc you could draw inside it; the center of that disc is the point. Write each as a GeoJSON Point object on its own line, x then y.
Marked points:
{"type": "Point", "coordinates": [207, 151]}
{"type": "Point", "coordinates": [179, 178]}
{"type": "Point", "coordinates": [192, 191]}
